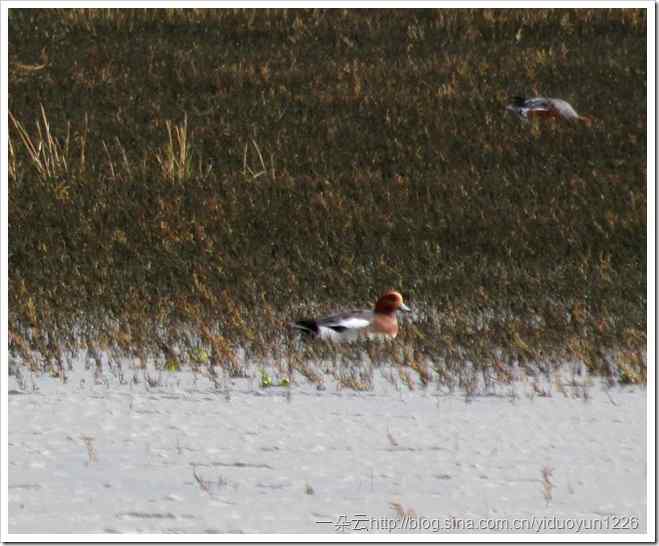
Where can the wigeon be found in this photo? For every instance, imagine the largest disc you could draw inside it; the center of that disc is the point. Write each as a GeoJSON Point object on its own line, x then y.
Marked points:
{"type": "Point", "coordinates": [541, 107]}
{"type": "Point", "coordinates": [380, 322]}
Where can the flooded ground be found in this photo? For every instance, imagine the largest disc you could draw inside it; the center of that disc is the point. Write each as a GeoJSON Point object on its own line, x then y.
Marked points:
{"type": "Point", "coordinates": [96, 456]}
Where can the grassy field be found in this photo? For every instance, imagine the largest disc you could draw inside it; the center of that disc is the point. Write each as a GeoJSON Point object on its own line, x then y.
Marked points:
{"type": "Point", "coordinates": [183, 183]}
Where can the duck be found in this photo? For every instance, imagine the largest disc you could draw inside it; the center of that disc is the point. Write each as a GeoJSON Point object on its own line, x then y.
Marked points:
{"type": "Point", "coordinates": [542, 107]}
{"type": "Point", "coordinates": [380, 322]}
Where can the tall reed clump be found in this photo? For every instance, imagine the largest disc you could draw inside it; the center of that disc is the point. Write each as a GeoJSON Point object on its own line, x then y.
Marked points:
{"type": "Point", "coordinates": [182, 183]}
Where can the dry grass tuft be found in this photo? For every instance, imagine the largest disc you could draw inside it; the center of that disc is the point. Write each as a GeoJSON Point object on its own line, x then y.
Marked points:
{"type": "Point", "coordinates": [547, 484]}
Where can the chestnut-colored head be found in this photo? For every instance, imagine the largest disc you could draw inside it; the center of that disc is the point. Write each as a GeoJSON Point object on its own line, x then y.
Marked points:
{"type": "Point", "coordinates": [391, 302]}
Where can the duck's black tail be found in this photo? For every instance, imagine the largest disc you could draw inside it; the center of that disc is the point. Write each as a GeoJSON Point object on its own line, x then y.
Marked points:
{"type": "Point", "coordinates": [307, 327]}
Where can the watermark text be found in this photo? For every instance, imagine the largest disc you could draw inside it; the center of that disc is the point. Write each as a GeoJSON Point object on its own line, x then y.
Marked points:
{"type": "Point", "coordinates": [355, 523]}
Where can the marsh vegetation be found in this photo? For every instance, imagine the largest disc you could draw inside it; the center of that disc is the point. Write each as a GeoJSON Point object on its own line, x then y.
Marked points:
{"type": "Point", "coordinates": [184, 183]}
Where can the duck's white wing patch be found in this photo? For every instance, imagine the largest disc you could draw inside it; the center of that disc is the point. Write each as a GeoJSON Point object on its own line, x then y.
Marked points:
{"type": "Point", "coordinates": [342, 328]}
{"type": "Point", "coordinates": [539, 104]}
{"type": "Point", "coordinates": [339, 336]}
{"type": "Point", "coordinates": [350, 323]}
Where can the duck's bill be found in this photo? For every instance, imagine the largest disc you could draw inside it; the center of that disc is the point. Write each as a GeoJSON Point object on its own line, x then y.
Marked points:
{"type": "Point", "coordinates": [405, 308]}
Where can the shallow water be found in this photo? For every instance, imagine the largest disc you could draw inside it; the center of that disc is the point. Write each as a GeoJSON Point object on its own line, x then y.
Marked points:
{"type": "Point", "coordinates": [94, 456]}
